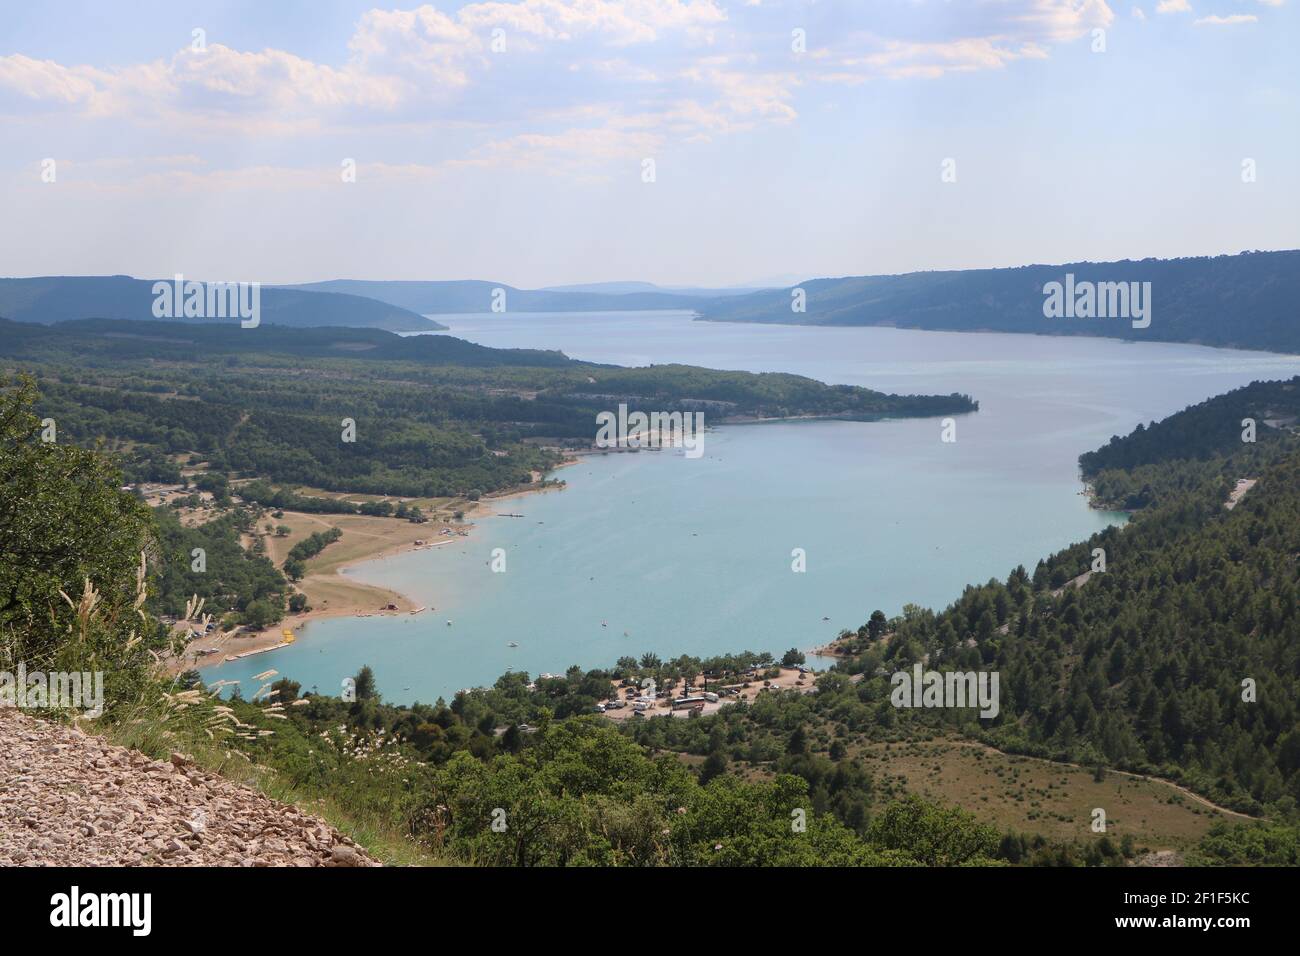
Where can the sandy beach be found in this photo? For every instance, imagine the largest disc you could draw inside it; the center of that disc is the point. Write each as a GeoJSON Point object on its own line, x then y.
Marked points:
{"type": "Point", "coordinates": [329, 592]}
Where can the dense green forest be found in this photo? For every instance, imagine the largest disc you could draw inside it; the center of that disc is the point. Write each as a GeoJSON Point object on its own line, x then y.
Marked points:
{"type": "Point", "coordinates": [1230, 436]}
{"type": "Point", "coordinates": [1240, 301]}
{"type": "Point", "coordinates": [1179, 659]}
{"type": "Point", "coordinates": [433, 416]}
{"type": "Point", "coordinates": [1210, 429]}
{"type": "Point", "coordinates": [575, 791]}
{"type": "Point", "coordinates": [232, 579]}
{"type": "Point", "coordinates": [73, 558]}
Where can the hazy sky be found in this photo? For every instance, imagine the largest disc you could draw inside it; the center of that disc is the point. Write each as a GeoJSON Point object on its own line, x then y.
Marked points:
{"type": "Point", "coordinates": [508, 140]}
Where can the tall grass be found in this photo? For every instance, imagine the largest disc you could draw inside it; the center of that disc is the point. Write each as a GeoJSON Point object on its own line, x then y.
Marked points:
{"type": "Point", "coordinates": [147, 710]}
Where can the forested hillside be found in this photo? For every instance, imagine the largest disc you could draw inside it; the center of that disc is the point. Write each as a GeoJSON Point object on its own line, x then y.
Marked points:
{"type": "Point", "coordinates": [232, 578]}
{"type": "Point", "coordinates": [1247, 301]}
{"type": "Point", "coordinates": [433, 415]}
{"type": "Point", "coordinates": [63, 298]}
{"type": "Point", "coordinates": [1181, 658]}
{"type": "Point", "coordinates": [103, 340]}
{"type": "Point", "coordinates": [1211, 429]}
{"type": "Point", "coordinates": [1216, 442]}
{"type": "Point", "coordinates": [1140, 666]}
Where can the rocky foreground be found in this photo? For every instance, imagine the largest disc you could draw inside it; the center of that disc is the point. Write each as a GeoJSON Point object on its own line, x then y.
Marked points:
{"type": "Point", "coordinates": [70, 799]}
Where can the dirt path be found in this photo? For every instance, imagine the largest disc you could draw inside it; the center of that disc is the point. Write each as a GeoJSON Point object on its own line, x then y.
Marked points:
{"type": "Point", "coordinates": [1239, 491]}
{"type": "Point", "coordinates": [70, 799]}
{"type": "Point", "coordinates": [1078, 582]}
{"type": "Point", "coordinates": [1125, 773]}
{"type": "Point", "coordinates": [1183, 790]}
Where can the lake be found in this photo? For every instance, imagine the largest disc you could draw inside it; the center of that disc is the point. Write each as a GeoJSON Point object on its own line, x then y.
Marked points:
{"type": "Point", "coordinates": [658, 552]}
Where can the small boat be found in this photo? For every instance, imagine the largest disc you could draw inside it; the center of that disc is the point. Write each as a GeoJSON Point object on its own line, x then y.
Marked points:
{"type": "Point", "coordinates": [449, 622]}
{"type": "Point", "coordinates": [513, 644]}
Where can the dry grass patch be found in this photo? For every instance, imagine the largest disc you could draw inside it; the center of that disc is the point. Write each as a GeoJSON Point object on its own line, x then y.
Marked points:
{"type": "Point", "coordinates": [1038, 796]}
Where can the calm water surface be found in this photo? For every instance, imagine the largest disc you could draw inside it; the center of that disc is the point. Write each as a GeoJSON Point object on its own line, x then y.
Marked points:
{"type": "Point", "coordinates": [656, 552]}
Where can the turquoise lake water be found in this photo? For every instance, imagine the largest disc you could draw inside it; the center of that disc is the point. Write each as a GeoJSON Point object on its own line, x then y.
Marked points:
{"type": "Point", "coordinates": [658, 552]}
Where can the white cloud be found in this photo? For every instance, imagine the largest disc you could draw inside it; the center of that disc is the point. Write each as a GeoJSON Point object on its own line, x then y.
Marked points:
{"type": "Point", "coordinates": [748, 94]}
{"type": "Point", "coordinates": [1013, 30]}
{"type": "Point", "coordinates": [899, 60]}
{"type": "Point", "coordinates": [1233, 20]}
{"type": "Point", "coordinates": [622, 22]}
{"type": "Point", "coordinates": [399, 62]}
{"type": "Point", "coordinates": [49, 81]}
{"type": "Point", "coordinates": [224, 78]}
{"type": "Point", "coordinates": [423, 41]}
{"type": "Point", "coordinates": [1173, 6]}
{"type": "Point", "coordinates": [1060, 21]}
{"type": "Point", "coordinates": [601, 78]}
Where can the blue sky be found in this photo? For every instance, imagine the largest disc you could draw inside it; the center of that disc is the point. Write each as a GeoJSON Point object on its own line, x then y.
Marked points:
{"type": "Point", "coordinates": [1077, 129]}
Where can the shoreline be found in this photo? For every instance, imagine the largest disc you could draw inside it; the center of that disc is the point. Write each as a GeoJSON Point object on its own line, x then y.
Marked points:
{"type": "Point", "coordinates": [349, 598]}
{"type": "Point", "coordinates": [699, 317]}
{"type": "Point", "coordinates": [230, 643]}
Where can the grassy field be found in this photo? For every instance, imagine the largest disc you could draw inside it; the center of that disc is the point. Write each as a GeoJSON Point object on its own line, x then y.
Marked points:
{"type": "Point", "coordinates": [363, 537]}
{"type": "Point", "coordinates": [1026, 794]}
{"type": "Point", "coordinates": [1038, 796]}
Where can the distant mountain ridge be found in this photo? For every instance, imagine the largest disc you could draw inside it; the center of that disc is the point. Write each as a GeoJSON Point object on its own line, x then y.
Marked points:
{"type": "Point", "coordinates": [1250, 300]}
{"type": "Point", "coordinates": [625, 288]}
{"type": "Point", "coordinates": [48, 299]}
{"type": "Point", "coordinates": [476, 295]}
